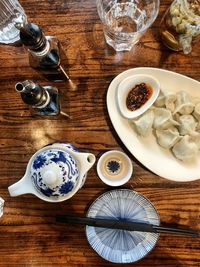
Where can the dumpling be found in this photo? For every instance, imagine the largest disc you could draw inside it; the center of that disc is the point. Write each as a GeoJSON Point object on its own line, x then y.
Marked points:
{"type": "Point", "coordinates": [196, 112]}
{"type": "Point", "coordinates": [195, 100]}
{"type": "Point", "coordinates": [170, 99]}
{"type": "Point", "coordinates": [167, 138]}
{"type": "Point", "coordinates": [176, 116]}
{"type": "Point", "coordinates": [198, 126]}
{"type": "Point", "coordinates": [183, 103]}
{"type": "Point", "coordinates": [187, 124]}
{"type": "Point", "coordinates": [160, 101]}
{"type": "Point", "coordinates": [143, 124]}
{"type": "Point", "coordinates": [185, 149]}
{"type": "Point", "coordinates": [166, 100]}
{"type": "Point", "coordinates": [163, 119]}
{"type": "Point", "coordinates": [195, 137]}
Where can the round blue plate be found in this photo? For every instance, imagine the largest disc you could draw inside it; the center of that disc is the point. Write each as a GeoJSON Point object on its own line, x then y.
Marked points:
{"type": "Point", "coordinates": [121, 246]}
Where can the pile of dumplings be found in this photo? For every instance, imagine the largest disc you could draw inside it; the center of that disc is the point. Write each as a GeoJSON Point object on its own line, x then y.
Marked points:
{"type": "Point", "coordinates": [174, 120]}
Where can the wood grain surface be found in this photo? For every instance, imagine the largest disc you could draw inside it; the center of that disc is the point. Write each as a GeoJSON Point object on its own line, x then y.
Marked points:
{"type": "Point", "coordinates": [29, 235]}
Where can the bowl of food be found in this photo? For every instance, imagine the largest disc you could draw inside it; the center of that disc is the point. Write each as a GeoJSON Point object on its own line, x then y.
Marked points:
{"type": "Point", "coordinates": [122, 246]}
{"type": "Point", "coordinates": [136, 94]}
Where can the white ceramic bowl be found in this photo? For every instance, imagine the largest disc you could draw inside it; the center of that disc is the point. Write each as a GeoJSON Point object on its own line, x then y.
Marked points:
{"type": "Point", "coordinates": [125, 87]}
{"type": "Point", "coordinates": [114, 168]}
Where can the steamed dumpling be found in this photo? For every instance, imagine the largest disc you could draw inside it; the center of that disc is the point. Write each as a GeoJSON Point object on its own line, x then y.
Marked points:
{"type": "Point", "coordinates": [185, 149]}
{"type": "Point", "coordinates": [195, 100]}
{"type": "Point", "coordinates": [167, 138]}
{"type": "Point", "coordinates": [196, 112]}
{"type": "Point", "coordinates": [143, 124]}
{"type": "Point", "coordinates": [166, 100]}
{"type": "Point", "coordinates": [195, 137]}
{"type": "Point", "coordinates": [160, 101]}
{"type": "Point", "coordinates": [170, 99]}
{"type": "Point", "coordinates": [183, 103]}
{"type": "Point", "coordinates": [175, 120]}
{"type": "Point", "coordinates": [163, 119]}
{"type": "Point", "coordinates": [187, 124]}
{"type": "Point", "coordinates": [198, 126]}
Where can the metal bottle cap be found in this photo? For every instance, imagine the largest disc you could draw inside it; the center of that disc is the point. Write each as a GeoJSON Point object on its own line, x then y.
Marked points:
{"type": "Point", "coordinates": [32, 36]}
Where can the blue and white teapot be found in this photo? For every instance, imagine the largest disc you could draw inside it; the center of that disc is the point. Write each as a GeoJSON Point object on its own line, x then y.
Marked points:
{"type": "Point", "coordinates": [54, 173]}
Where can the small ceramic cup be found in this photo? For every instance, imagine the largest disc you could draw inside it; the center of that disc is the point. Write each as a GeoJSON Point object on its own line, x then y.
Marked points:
{"type": "Point", "coordinates": [114, 168]}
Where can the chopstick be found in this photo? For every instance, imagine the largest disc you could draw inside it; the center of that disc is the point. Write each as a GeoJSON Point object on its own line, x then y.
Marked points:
{"type": "Point", "coordinates": [126, 225]}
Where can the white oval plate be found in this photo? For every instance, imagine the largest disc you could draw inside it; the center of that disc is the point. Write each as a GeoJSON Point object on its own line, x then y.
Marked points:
{"type": "Point", "coordinates": [157, 159]}
{"type": "Point", "coordinates": [125, 87]}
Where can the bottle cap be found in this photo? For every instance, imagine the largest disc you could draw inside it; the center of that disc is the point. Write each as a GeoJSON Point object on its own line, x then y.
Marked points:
{"type": "Point", "coordinates": [32, 37]}
{"type": "Point", "coordinates": [32, 94]}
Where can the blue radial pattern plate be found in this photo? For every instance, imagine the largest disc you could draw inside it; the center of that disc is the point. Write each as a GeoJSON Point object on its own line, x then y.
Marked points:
{"type": "Point", "coordinates": [121, 246]}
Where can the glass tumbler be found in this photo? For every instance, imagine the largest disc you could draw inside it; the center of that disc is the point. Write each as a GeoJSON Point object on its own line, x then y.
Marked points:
{"type": "Point", "coordinates": [11, 13]}
{"type": "Point", "coordinates": [125, 21]}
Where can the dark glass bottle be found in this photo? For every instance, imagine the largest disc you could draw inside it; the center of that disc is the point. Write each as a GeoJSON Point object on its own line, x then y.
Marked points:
{"type": "Point", "coordinates": [45, 52]}
{"type": "Point", "coordinates": [43, 100]}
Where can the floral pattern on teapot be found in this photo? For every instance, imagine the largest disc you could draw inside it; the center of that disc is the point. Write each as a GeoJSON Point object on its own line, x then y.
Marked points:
{"type": "Point", "coordinates": [63, 174]}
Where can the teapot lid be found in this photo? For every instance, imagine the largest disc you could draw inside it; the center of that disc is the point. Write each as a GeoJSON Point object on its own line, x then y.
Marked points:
{"type": "Point", "coordinates": [54, 172]}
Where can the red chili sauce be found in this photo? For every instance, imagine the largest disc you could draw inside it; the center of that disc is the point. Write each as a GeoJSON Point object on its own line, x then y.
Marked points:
{"type": "Point", "coordinates": [138, 96]}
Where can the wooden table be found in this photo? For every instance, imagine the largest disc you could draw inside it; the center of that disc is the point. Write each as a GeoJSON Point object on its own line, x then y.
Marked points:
{"type": "Point", "coordinates": [29, 235]}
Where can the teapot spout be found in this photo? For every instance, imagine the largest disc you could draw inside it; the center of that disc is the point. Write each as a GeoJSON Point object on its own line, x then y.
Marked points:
{"type": "Point", "coordinates": [22, 187]}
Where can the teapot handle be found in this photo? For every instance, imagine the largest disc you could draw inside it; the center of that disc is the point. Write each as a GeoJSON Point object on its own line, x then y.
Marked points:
{"type": "Point", "coordinates": [22, 187]}
{"type": "Point", "coordinates": [87, 159]}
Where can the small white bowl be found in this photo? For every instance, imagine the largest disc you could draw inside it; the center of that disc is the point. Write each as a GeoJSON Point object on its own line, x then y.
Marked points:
{"type": "Point", "coordinates": [125, 87]}
{"type": "Point", "coordinates": [114, 168]}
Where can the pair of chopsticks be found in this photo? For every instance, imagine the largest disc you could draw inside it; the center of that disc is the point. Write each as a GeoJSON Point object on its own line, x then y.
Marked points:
{"type": "Point", "coordinates": [126, 225]}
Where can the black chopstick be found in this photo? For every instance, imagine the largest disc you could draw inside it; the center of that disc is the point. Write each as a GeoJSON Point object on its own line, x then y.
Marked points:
{"type": "Point", "coordinates": [125, 225]}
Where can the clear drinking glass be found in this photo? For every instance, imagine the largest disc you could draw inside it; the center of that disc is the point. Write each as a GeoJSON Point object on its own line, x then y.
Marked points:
{"type": "Point", "coordinates": [125, 21]}
{"type": "Point", "coordinates": [11, 12]}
